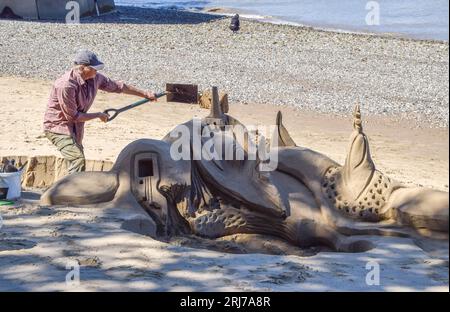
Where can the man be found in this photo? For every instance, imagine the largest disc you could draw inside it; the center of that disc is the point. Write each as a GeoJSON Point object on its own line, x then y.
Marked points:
{"type": "Point", "coordinates": [71, 97]}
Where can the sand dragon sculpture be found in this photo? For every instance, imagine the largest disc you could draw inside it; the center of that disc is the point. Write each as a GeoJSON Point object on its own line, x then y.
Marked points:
{"type": "Point", "coordinates": [307, 200]}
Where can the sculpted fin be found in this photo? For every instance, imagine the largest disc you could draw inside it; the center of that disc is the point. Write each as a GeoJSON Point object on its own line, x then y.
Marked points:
{"type": "Point", "coordinates": [281, 137]}
{"type": "Point", "coordinates": [359, 167]}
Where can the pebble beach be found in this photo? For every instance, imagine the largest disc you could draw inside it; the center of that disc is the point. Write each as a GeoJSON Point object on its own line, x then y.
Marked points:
{"type": "Point", "coordinates": [312, 70]}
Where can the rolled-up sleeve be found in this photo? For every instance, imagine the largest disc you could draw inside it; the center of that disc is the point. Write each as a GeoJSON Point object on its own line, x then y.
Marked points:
{"type": "Point", "coordinates": [109, 85]}
{"type": "Point", "coordinates": [67, 101]}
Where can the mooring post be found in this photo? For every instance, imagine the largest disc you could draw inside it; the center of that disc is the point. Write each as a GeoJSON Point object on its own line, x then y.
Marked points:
{"type": "Point", "coordinates": [37, 9]}
{"type": "Point", "coordinates": [96, 7]}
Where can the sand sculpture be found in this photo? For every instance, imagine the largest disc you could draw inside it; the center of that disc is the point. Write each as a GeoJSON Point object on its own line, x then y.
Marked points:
{"type": "Point", "coordinates": [308, 200]}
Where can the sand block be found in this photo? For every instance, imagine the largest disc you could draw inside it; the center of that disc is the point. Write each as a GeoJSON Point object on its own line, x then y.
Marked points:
{"type": "Point", "coordinates": [206, 100]}
{"type": "Point", "coordinates": [43, 171]}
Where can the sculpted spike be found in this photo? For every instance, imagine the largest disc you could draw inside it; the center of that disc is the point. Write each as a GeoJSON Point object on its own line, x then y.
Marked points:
{"type": "Point", "coordinates": [216, 117]}
{"type": "Point", "coordinates": [359, 167]}
{"type": "Point", "coordinates": [357, 122]}
{"type": "Point", "coordinates": [281, 137]}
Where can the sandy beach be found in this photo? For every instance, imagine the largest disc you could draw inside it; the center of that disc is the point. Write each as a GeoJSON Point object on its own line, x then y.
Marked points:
{"type": "Point", "coordinates": [39, 248]}
{"type": "Point", "coordinates": [313, 77]}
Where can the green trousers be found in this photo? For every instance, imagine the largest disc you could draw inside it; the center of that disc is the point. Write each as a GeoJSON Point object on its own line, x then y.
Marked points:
{"type": "Point", "coordinates": [71, 151]}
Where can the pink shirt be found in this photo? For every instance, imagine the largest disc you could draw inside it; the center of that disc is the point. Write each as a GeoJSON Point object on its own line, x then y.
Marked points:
{"type": "Point", "coordinates": [71, 95]}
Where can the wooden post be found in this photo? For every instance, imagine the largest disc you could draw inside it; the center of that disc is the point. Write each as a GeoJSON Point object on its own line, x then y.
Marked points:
{"type": "Point", "coordinates": [96, 7]}
{"type": "Point", "coordinates": [37, 9]}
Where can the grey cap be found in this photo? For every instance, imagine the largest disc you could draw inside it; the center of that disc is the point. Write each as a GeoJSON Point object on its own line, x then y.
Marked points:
{"type": "Point", "coordinates": [86, 57]}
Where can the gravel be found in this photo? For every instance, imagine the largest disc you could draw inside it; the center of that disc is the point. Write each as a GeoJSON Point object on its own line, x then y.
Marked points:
{"type": "Point", "coordinates": [327, 72]}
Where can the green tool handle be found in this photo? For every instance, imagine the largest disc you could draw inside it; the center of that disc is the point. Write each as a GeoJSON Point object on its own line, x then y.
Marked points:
{"type": "Point", "coordinates": [113, 113]}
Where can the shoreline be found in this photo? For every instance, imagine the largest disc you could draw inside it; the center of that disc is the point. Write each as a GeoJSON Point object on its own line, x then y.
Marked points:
{"type": "Point", "coordinates": [226, 12]}
{"type": "Point", "coordinates": [223, 12]}
{"type": "Point", "coordinates": [247, 15]}
{"type": "Point", "coordinates": [255, 16]}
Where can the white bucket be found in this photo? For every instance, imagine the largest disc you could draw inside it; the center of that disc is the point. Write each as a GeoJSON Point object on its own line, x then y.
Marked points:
{"type": "Point", "coordinates": [13, 181]}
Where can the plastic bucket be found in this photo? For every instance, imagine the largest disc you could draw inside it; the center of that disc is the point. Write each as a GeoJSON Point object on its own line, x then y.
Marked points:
{"type": "Point", "coordinates": [10, 183]}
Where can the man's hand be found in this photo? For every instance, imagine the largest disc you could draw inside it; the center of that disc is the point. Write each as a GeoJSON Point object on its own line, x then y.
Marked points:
{"type": "Point", "coordinates": [151, 96]}
{"type": "Point", "coordinates": [83, 117]}
{"type": "Point", "coordinates": [103, 117]}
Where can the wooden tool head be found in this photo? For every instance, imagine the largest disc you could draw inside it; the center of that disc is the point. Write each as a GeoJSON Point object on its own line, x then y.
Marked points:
{"type": "Point", "coordinates": [184, 93]}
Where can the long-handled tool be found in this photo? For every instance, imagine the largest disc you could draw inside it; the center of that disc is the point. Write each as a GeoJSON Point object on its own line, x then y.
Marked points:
{"type": "Point", "coordinates": [113, 113]}
{"type": "Point", "coordinates": [182, 93]}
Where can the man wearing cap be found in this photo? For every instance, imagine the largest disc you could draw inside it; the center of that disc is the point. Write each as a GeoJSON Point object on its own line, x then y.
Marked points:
{"type": "Point", "coordinates": [71, 97]}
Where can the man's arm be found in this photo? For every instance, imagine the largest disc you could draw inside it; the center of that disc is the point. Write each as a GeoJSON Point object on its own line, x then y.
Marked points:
{"type": "Point", "coordinates": [109, 85]}
{"type": "Point", "coordinates": [83, 117]}
{"type": "Point", "coordinates": [127, 89]}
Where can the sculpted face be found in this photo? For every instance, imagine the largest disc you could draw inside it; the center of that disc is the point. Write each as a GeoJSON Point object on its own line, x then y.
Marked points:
{"type": "Point", "coordinates": [308, 199]}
